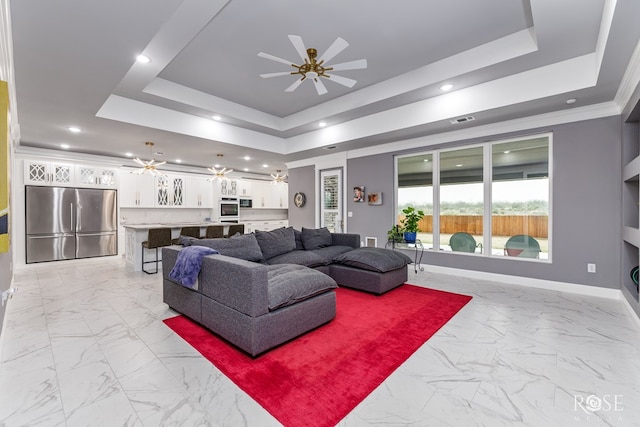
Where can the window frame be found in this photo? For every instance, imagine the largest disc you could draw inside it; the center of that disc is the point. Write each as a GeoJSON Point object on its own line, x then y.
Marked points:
{"type": "Point", "coordinates": [487, 171]}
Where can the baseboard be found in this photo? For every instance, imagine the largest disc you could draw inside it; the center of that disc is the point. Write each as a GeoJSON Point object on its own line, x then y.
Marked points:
{"type": "Point", "coordinates": [632, 312]}
{"type": "Point", "coordinates": [551, 285]}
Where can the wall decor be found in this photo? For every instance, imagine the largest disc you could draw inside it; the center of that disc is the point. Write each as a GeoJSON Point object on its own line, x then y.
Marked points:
{"type": "Point", "coordinates": [374, 198]}
{"type": "Point", "coordinates": [299, 199]}
{"type": "Point", "coordinates": [358, 194]}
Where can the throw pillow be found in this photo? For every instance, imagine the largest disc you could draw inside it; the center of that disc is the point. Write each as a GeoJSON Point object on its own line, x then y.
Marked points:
{"type": "Point", "coordinates": [244, 247]}
{"type": "Point", "coordinates": [314, 238]}
{"type": "Point", "coordinates": [276, 242]}
{"type": "Point", "coordinates": [374, 259]}
{"type": "Point", "coordinates": [298, 236]}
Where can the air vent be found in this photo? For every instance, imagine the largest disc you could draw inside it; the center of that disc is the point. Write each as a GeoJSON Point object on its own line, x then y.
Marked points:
{"type": "Point", "coordinates": [462, 120]}
{"type": "Point", "coordinates": [329, 147]}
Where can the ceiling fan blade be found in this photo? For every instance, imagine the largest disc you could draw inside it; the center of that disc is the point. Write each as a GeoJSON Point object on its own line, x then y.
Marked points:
{"type": "Point", "coordinates": [342, 80]}
{"type": "Point", "coordinates": [320, 88]}
{"type": "Point", "coordinates": [294, 86]}
{"type": "Point", "coordinates": [351, 65]}
{"type": "Point", "coordinates": [338, 46]}
{"type": "Point", "coordinates": [299, 46]}
{"type": "Point", "coordinates": [268, 75]}
{"type": "Point", "coordinates": [274, 58]}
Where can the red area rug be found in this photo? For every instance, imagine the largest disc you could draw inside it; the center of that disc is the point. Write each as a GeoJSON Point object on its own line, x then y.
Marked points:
{"type": "Point", "coordinates": [318, 378]}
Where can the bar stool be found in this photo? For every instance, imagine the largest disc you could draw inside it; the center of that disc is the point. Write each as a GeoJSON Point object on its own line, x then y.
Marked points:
{"type": "Point", "coordinates": [215, 231]}
{"type": "Point", "coordinates": [235, 228]}
{"type": "Point", "coordinates": [156, 238]}
{"type": "Point", "coordinates": [189, 232]}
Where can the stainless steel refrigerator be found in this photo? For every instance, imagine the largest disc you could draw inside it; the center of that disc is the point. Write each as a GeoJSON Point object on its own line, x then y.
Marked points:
{"type": "Point", "coordinates": [67, 223]}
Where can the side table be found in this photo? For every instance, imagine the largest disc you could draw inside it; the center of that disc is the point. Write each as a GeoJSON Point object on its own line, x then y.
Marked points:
{"type": "Point", "coordinates": [417, 248]}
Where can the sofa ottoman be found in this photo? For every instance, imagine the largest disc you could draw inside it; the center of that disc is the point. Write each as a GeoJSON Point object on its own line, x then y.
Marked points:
{"type": "Point", "coordinates": [374, 270]}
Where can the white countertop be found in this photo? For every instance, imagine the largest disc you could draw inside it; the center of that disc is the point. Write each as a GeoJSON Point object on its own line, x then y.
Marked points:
{"type": "Point", "coordinates": [171, 225]}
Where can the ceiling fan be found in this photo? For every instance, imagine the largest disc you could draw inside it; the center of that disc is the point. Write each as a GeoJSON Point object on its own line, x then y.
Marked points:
{"type": "Point", "coordinates": [313, 67]}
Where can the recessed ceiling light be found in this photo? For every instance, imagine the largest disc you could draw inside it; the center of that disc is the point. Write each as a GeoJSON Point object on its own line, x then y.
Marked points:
{"type": "Point", "coordinates": [425, 160]}
{"type": "Point", "coordinates": [247, 158]}
{"type": "Point", "coordinates": [459, 165]}
{"type": "Point", "coordinates": [178, 161]}
{"type": "Point", "coordinates": [571, 101]}
{"type": "Point", "coordinates": [74, 129]}
{"type": "Point", "coordinates": [322, 124]}
{"type": "Point", "coordinates": [506, 152]}
{"type": "Point", "coordinates": [446, 87]}
{"type": "Point", "coordinates": [265, 165]}
{"type": "Point", "coordinates": [143, 59]}
{"type": "Point", "coordinates": [216, 117]}
{"type": "Point", "coordinates": [246, 169]}
{"type": "Point", "coordinates": [128, 154]}
{"type": "Point", "coordinates": [217, 165]}
{"type": "Point", "coordinates": [65, 146]}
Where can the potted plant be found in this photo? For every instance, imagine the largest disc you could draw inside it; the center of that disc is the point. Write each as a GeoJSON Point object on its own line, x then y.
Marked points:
{"type": "Point", "coordinates": [410, 223]}
{"type": "Point", "coordinates": [395, 234]}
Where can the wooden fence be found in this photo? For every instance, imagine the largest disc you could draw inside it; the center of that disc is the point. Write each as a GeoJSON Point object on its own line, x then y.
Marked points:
{"type": "Point", "coordinates": [502, 225]}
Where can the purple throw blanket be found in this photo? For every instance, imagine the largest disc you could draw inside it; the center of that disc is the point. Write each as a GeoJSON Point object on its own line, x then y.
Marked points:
{"type": "Point", "coordinates": [187, 266]}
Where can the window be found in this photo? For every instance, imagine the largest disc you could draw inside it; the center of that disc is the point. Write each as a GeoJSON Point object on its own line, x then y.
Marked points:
{"type": "Point", "coordinates": [491, 199]}
{"type": "Point", "coordinates": [520, 197]}
{"type": "Point", "coordinates": [461, 199]}
{"type": "Point", "coordinates": [415, 188]}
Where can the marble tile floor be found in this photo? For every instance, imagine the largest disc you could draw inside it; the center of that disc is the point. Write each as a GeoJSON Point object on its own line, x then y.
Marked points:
{"type": "Point", "coordinates": [84, 345]}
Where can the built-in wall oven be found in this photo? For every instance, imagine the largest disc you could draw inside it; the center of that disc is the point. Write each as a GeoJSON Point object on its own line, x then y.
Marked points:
{"type": "Point", "coordinates": [228, 210]}
{"type": "Point", "coordinates": [245, 202]}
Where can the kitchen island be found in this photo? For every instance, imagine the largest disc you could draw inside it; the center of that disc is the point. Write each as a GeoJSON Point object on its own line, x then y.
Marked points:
{"type": "Point", "coordinates": [135, 234]}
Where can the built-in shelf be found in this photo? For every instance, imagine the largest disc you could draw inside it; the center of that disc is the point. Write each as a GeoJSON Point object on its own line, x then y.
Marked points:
{"type": "Point", "coordinates": [632, 170]}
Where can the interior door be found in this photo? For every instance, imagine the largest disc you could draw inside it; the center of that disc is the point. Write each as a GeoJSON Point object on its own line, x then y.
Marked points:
{"type": "Point", "coordinates": [331, 203]}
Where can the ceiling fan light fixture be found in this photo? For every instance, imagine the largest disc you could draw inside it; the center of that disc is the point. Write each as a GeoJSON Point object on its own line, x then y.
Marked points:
{"type": "Point", "coordinates": [312, 68]}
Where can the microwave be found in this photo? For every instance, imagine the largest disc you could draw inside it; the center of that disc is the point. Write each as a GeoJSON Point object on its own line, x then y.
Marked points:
{"type": "Point", "coordinates": [246, 203]}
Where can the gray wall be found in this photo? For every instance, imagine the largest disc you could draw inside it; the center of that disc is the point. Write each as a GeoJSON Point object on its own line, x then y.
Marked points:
{"type": "Point", "coordinates": [302, 180]}
{"type": "Point", "coordinates": [586, 206]}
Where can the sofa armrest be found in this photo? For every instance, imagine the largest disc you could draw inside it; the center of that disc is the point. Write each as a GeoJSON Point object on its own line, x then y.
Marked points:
{"type": "Point", "coordinates": [236, 283]}
{"type": "Point", "coordinates": [345, 239]}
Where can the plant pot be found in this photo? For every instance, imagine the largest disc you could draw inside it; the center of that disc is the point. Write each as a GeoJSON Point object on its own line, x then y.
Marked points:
{"type": "Point", "coordinates": [410, 236]}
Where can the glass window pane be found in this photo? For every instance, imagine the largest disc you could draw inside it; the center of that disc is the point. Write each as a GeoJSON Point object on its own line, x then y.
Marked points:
{"type": "Point", "coordinates": [415, 188]}
{"type": "Point", "coordinates": [461, 200]}
{"type": "Point", "coordinates": [520, 198]}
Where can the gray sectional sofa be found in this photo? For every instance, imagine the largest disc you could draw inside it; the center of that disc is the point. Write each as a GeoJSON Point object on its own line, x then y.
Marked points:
{"type": "Point", "coordinates": [266, 288]}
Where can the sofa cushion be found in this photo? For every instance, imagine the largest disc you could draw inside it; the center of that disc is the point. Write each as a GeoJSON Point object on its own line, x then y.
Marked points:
{"type": "Point", "coordinates": [276, 242]}
{"type": "Point", "coordinates": [298, 237]}
{"type": "Point", "coordinates": [328, 253]}
{"type": "Point", "coordinates": [243, 246]}
{"type": "Point", "coordinates": [305, 258]}
{"type": "Point", "coordinates": [314, 238]}
{"type": "Point", "coordinates": [374, 259]}
{"type": "Point", "coordinates": [289, 284]}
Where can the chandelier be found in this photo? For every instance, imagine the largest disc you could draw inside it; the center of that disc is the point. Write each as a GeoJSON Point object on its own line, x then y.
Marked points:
{"type": "Point", "coordinates": [277, 178]}
{"type": "Point", "coordinates": [148, 166]}
{"type": "Point", "coordinates": [218, 174]}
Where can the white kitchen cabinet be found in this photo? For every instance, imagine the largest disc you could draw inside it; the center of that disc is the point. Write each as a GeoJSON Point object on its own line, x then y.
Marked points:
{"type": "Point", "coordinates": [198, 192]}
{"type": "Point", "coordinates": [280, 196]}
{"type": "Point", "coordinates": [170, 191]}
{"type": "Point", "coordinates": [244, 188]}
{"type": "Point", "coordinates": [37, 172]}
{"type": "Point", "coordinates": [251, 226]}
{"type": "Point", "coordinates": [94, 176]}
{"type": "Point", "coordinates": [136, 191]}
{"type": "Point", "coordinates": [270, 196]}
{"type": "Point", "coordinates": [226, 187]}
